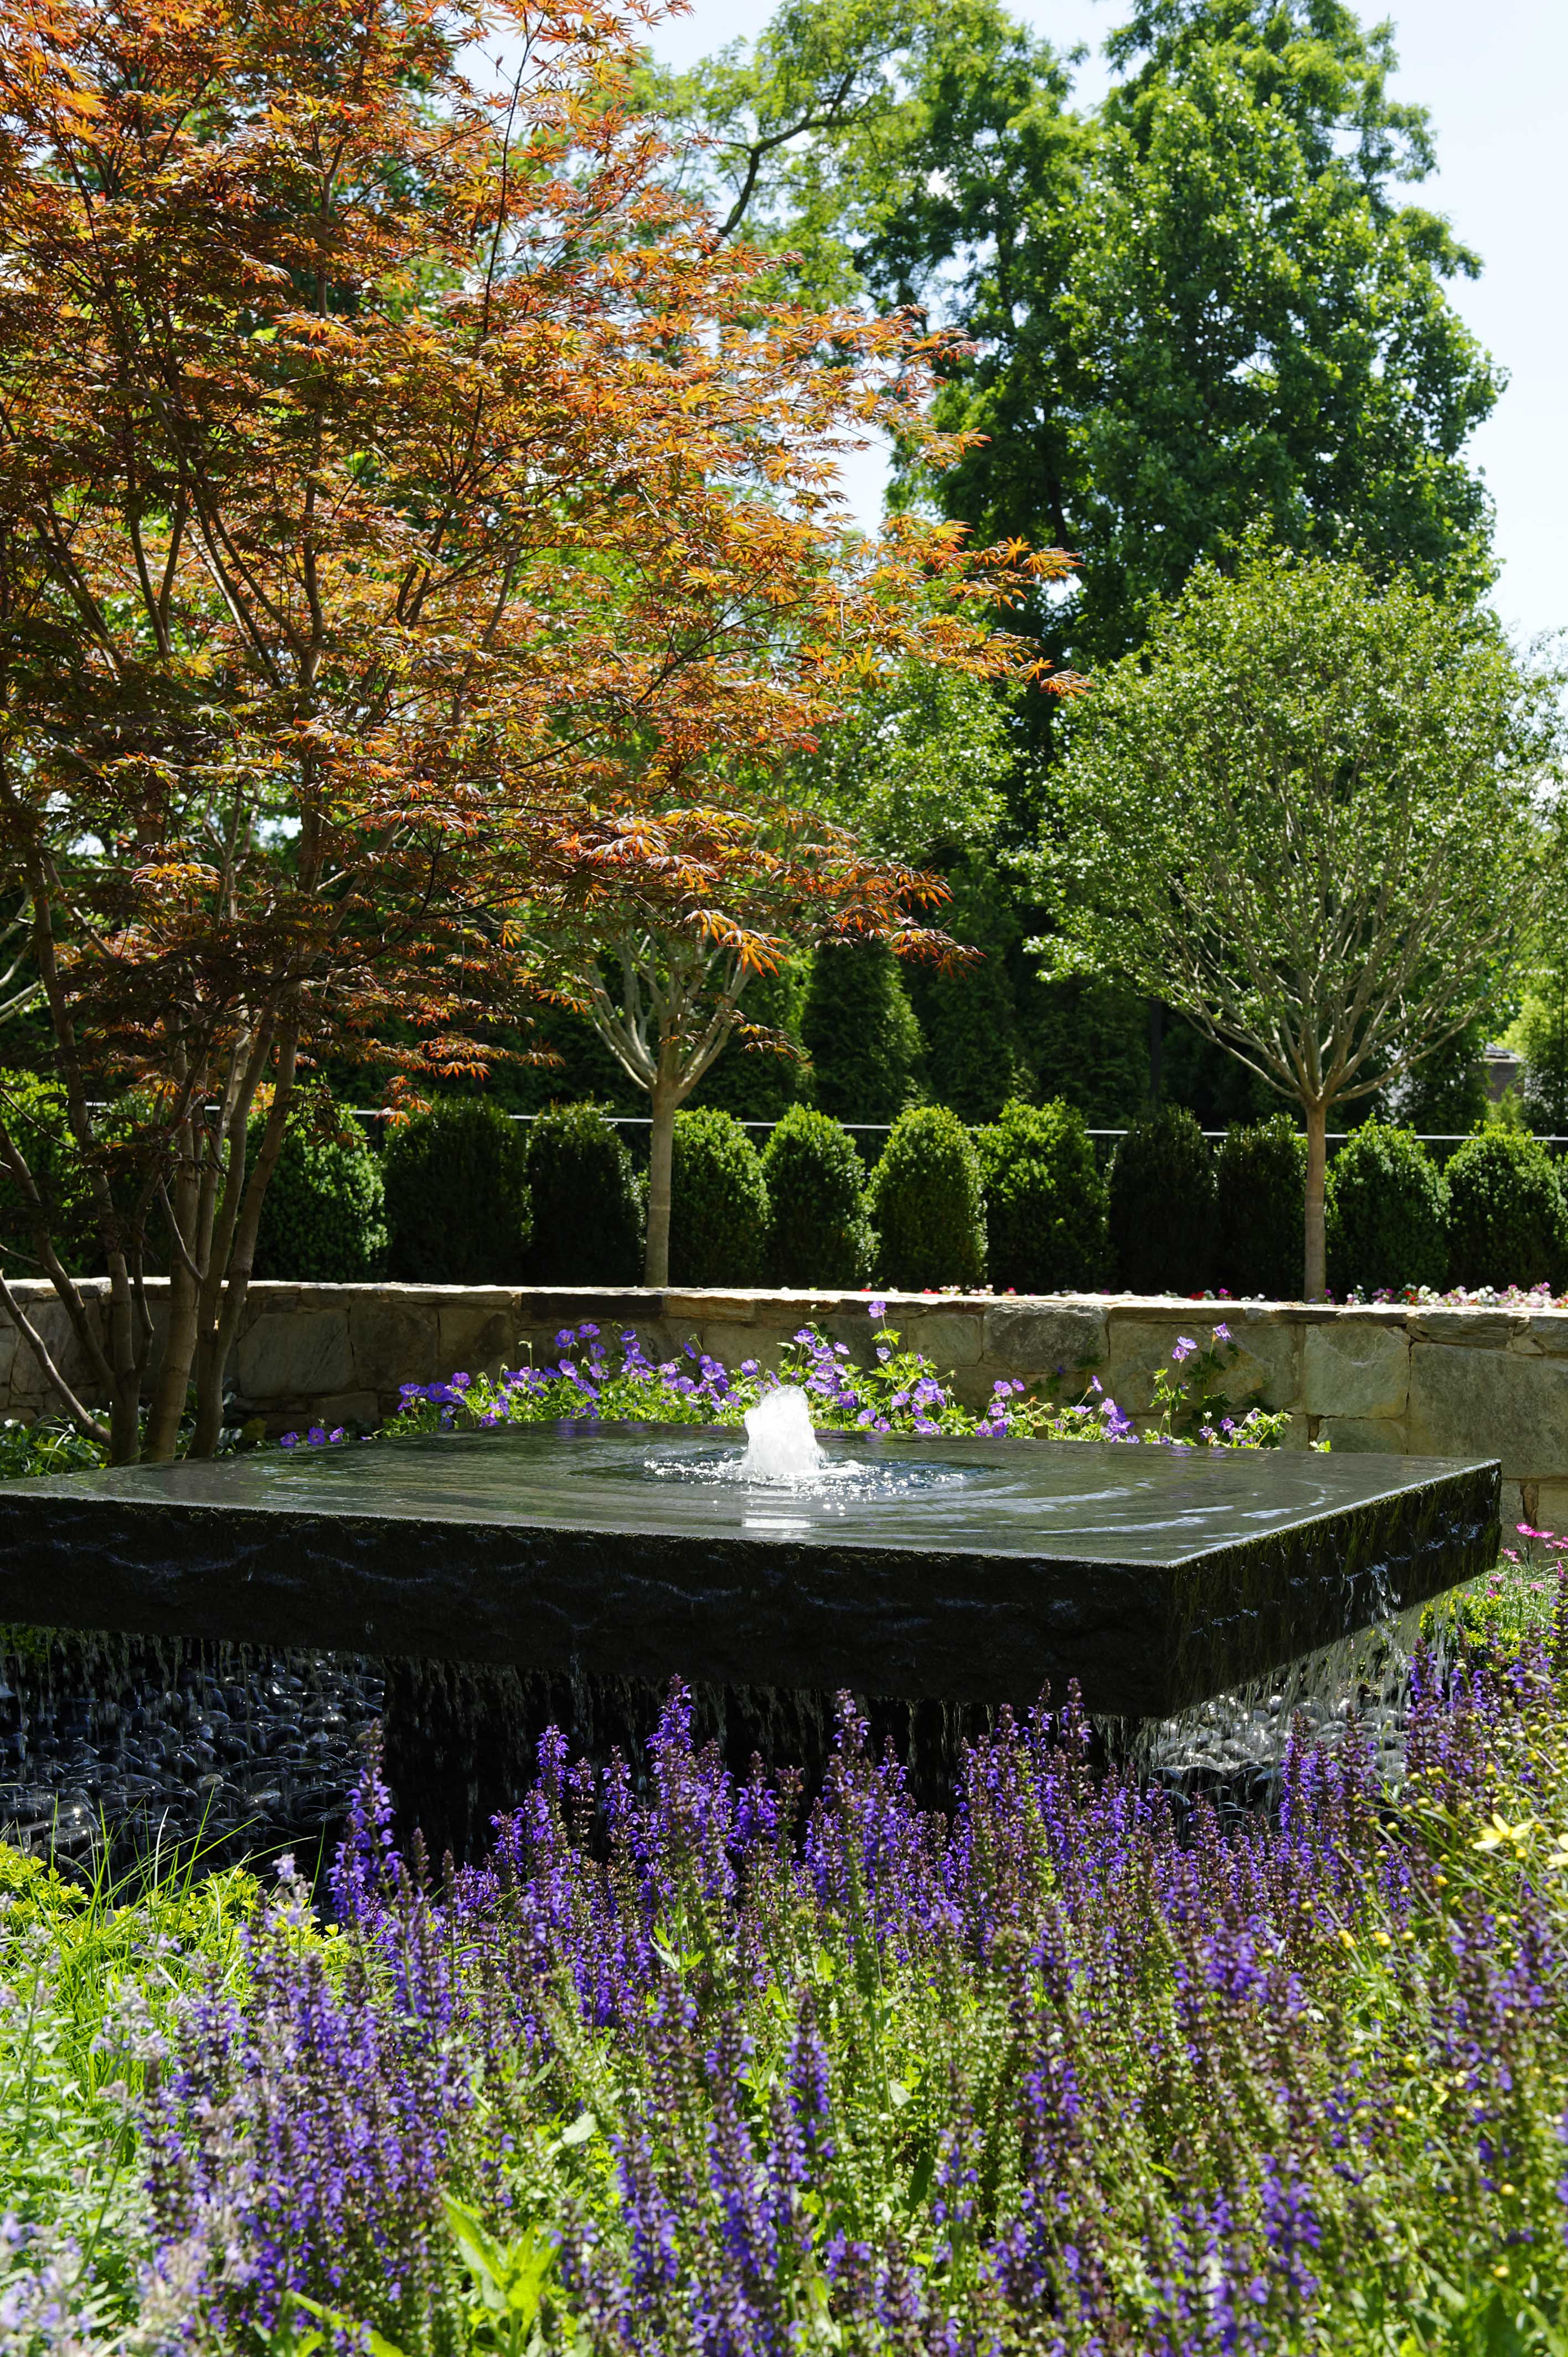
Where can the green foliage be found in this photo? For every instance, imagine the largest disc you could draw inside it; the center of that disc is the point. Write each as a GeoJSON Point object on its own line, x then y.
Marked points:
{"type": "Point", "coordinates": [1201, 303]}
{"type": "Point", "coordinates": [1211, 776]}
{"type": "Point", "coordinates": [1087, 1040]}
{"type": "Point", "coordinates": [35, 1110]}
{"type": "Point", "coordinates": [926, 1203]}
{"type": "Point", "coordinates": [718, 1206]}
{"type": "Point", "coordinates": [92, 1972]}
{"type": "Point", "coordinates": [1507, 1220]}
{"type": "Point", "coordinates": [456, 1196]}
{"type": "Point", "coordinates": [760, 1083]}
{"type": "Point", "coordinates": [919, 764]}
{"type": "Point", "coordinates": [1540, 1034]}
{"type": "Point", "coordinates": [52, 1445]}
{"type": "Point", "coordinates": [1259, 1208]}
{"type": "Point", "coordinates": [587, 1202]}
{"type": "Point", "coordinates": [1446, 1095]}
{"type": "Point", "coordinates": [967, 1016]}
{"type": "Point", "coordinates": [1046, 1202]}
{"type": "Point", "coordinates": [322, 1219]}
{"type": "Point", "coordinates": [860, 1032]}
{"type": "Point", "coordinates": [818, 1231]}
{"type": "Point", "coordinates": [1162, 1204]}
{"type": "Point", "coordinates": [1387, 1213]}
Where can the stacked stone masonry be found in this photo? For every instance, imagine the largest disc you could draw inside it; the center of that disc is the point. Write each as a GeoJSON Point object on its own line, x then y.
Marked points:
{"type": "Point", "coordinates": [1429, 1383]}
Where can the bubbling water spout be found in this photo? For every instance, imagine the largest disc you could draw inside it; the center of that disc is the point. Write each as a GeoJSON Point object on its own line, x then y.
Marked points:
{"type": "Point", "coordinates": [781, 1445]}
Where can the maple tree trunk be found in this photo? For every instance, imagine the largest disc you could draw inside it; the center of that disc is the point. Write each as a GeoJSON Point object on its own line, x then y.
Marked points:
{"type": "Point", "coordinates": [222, 1295]}
{"type": "Point", "coordinates": [661, 1143]}
{"type": "Point", "coordinates": [1315, 1283]}
{"type": "Point", "coordinates": [172, 1382]}
{"type": "Point", "coordinates": [128, 1364]}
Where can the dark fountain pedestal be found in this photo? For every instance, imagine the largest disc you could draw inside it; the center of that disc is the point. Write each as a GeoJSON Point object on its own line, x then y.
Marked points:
{"type": "Point", "coordinates": [514, 1579]}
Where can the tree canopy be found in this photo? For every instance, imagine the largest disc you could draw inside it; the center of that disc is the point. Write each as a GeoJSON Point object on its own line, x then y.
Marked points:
{"type": "Point", "coordinates": [1308, 814]}
{"type": "Point", "coordinates": [1200, 306]}
{"type": "Point", "coordinates": [404, 494]}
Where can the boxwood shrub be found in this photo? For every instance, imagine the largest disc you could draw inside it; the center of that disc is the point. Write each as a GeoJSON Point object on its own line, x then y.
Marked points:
{"type": "Point", "coordinates": [587, 1201]}
{"type": "Point", "coordinates": [817, 1234]}
{"type": "Point", "coordinates": [1046, 1204]}
{"type": "Point", "coordinates": [926, 1203]}
{"type": "Point", "coordinates": [1162, 1204]}
{"type": "Point", "coordinates": [1387, 1210]}
{"type": "Point", "coordinates": [1508, 1222]}
{"type": "Point", "coordinates": [718, 1203]}
{"type": "Point", "coordinates": [322, 1219]}
{"type": "Point", "coordinates": [1259, 1208]}
{"type": "Point", "coordinates": [456, 1196]}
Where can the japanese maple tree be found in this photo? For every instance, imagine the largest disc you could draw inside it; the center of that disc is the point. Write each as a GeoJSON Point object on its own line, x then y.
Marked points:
{"type": "Point", "coordinates": [395, 479]}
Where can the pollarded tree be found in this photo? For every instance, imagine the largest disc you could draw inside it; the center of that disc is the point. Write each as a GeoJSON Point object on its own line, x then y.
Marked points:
{"type": "Point", "coordinates": [392, 471]}
{"type": "Point", "coordinates": [1307, 816]}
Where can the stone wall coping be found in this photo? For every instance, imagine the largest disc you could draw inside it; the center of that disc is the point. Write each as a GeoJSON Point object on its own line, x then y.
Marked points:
{"type": "Point", "coordinates": [538, 1305]}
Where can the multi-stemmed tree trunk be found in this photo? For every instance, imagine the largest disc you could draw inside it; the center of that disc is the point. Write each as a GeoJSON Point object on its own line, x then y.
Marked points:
{"type": "Point", "coordinates": [390, 483]}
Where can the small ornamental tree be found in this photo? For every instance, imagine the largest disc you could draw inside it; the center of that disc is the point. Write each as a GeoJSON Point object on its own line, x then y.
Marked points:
{"type": "Point", "coordinates": [406, 505]}
{"type": "Point", "coordinates": [1306, 815]}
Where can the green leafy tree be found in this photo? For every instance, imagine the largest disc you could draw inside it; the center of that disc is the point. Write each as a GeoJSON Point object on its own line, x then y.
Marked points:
{"type": "Point", "coordinates": [1306, 816]}
{"type": "Point", "coordinates": [967, 1012]}
{"type": "Point", "coordinates": [1201, 304]}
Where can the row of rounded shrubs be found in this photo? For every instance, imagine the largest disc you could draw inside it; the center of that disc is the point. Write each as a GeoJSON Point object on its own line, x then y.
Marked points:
{"type": "Point", "coordinates": [462, 1195]}
{"type": "Point", "coordinates": [1186, 1216]}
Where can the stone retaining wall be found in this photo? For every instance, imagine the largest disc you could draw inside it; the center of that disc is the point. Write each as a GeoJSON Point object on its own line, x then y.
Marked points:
{"type": "Point", "coordinates": [1435, 1382]}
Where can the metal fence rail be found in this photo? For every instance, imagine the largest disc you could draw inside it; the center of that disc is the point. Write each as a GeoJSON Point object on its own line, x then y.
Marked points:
{"type": "Point", "coordinates": [881, 1128]}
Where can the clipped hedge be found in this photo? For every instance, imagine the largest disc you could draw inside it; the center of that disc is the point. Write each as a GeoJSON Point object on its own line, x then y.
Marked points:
{"type": "Point", "coordinates": [927, 1204]}
{"type": "Point", "coordinates": [1259, 1208]}
{"type": "Point", "coordinates": [1046, 1209]}
{"type": "Point", "coordinates": [322, 1218]}
{"type": "Point", "coordinates": [587, 1201]}
{"type": "Point", "coordinates": [1387, 1213]}
{"type": "Point", "coordinates": [718, 1203]}
{"type": "Point", "coordinates": [1162, 1204]}
{"type": "Point", "coordinates": [817, 1234]}
{"type": "Point", "coordinates": [1507, 1220]}
{"type": "Point", "coordinates": [456, 1196]}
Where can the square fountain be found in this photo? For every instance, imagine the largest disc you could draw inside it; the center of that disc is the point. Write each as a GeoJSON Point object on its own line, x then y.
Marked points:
{"type": "Point", "coordinates": [503, 1581]}
{"type": "Point", "coordinates": [961, 1570]}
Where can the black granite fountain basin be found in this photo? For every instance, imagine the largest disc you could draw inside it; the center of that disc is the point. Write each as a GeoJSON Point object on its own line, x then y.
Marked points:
{"type": "Point", "coordinates": [958, 1571]}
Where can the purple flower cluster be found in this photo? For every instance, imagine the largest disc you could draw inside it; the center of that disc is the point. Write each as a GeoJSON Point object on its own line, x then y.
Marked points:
{"type": "Point", "coordinates": [1072, 2072]}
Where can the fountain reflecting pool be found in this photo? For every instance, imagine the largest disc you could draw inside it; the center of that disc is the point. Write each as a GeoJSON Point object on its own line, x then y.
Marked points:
{"type": "Point", "coordinates": [512, 1577]}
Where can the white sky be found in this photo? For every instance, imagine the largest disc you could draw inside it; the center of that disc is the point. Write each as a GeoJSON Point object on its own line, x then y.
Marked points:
{"type": "Point", "coordinates": [1495, 80]}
